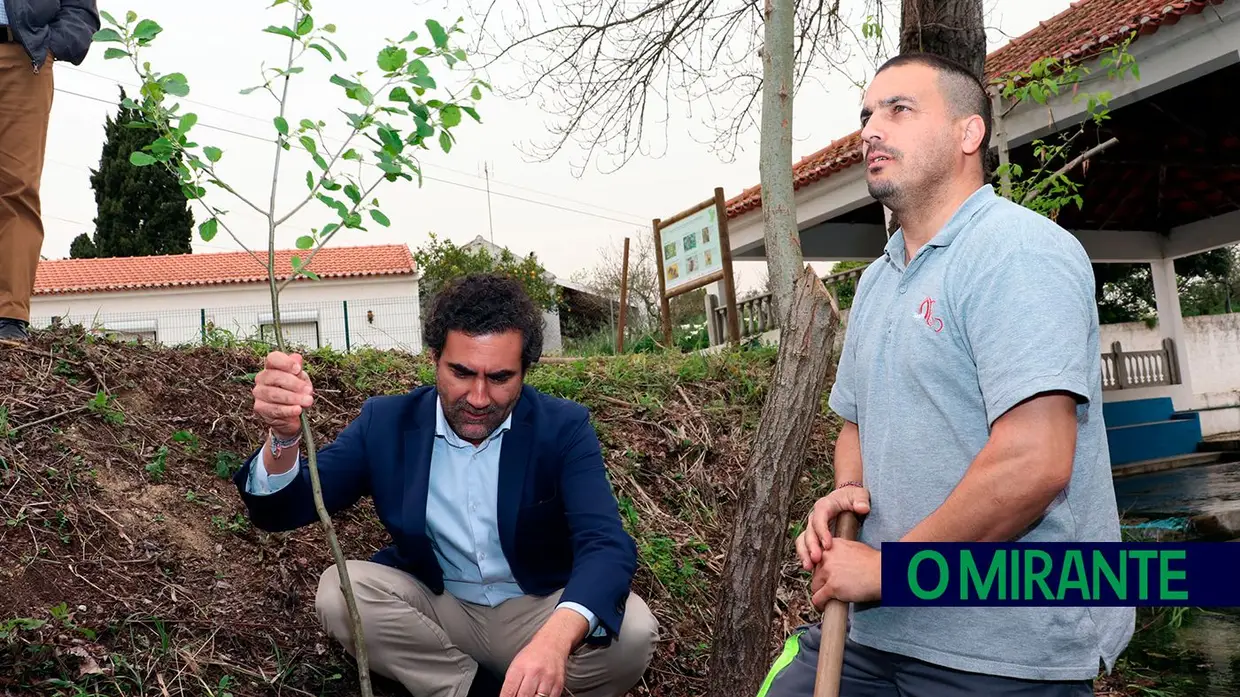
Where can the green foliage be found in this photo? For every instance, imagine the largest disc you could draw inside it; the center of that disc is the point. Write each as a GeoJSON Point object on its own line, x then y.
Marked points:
{"type": "Point", "coordinates": [141, 211]}
{"type": "Point", "coordinates": [441, 261]}
{"type": "Point", "coordinates": [393, 106]}
{"type": "Point", "coordinates": [1048, 188]}
{"type": "Point", "coordinates": [1209, 284]}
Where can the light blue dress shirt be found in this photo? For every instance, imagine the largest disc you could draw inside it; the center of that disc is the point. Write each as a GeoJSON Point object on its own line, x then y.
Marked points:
{"type": "Point", "coordinates": [4, 15]}
{"type": "Point", "coordinates": [461, 515]}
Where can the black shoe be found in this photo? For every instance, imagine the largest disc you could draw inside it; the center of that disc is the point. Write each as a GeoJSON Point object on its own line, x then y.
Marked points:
{"type": "Point", "coordinates": [13, 330]}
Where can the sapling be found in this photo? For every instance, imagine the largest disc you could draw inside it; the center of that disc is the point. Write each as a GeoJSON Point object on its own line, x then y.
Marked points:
{"type": "Point", "coordinates": [390, 116]}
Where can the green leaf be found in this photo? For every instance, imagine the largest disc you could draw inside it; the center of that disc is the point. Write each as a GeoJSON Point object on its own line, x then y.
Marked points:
{"type": "Point", "coordinates": [107, 17]}
{"type": "Point", "coordinates": [281, 125]}
{"type": "Point", "coordinates": [418, 67]}
{"type": "Point", "coordinates": [424, 81]}
{"type": "Point", "coordinates": [425, 129]}
{"type": "Point", "coordinates": [309, 180]}
{"type": "Point", "coordinates": [208, 229]}
{"type": "Point", "coordinates": [251, 89]}
{"type": "Point", "coordinates": [281, 31]}
{"type": "Point", "coordinates": [308, 143]}
{"type": "Point", "coordinates": [108, 35]}
{"type": "Point", "coordinates": [363, 96]}
{"type": "Point", "coordinates": [422, 51]}
{"type": "Point", "coordinates": [175, 84]}
{"type": "Point", "coordinates": [473, 113]}
{"type": "Point", "coordinates": [213, 154]}
{"type": "Point", "coordinates": [476, 94]}
{"type": "Point", "coordinates": [339, 51]}
{"type": "Point", "coordinates": [352, 155]}
{"type": "Point", "coordinates": [379, 217]}
{"type": "Point", "coordinates": [305, 26]}
{"type": "Point", "coordinates": [437, 33]}
{"type": "Point", "coordinates": [329, 28]}
{"type": "Point", "coordinates": [450, 114]}
{"type": "Point", "coordinates": [400, 94]}
{"type": "Point", "coordinates": [1136, 71]}
{"type": "Point", "coordinates": [392, 59]}
{"type": "Point", "coordinates": [1036, 90]}
{"type": "Point", "coordinates": [187, 122]}
{"type": "Point", "coordinates": [305, 242]}
{"type": "Point", "coordinates": [319, 47]}
{"type": "Point", "coordinates": [114, 53]}
{"type": "Point", "coordinates": [354, 195]}
{"type": "Point", "coordinates": [130, 17]}
{"type": "Point", "coordinates": [460, 54]}
{"type": "Point", "coordinates": [146, 30]}
{"type": "Point", "coordinates": [391, 140]}
{"type": "Point", "coordinates": [413, 36]}
{"type": "Point", "coordinates": [343, 82]}
{"type": "Point", "coordinates": [307, 124]}
{"type": "Point", "coordinates": [445, 141]}
{"type": "Point", "coordinates": [318, 160]}
{"type": "Point", "coordinates": [141, 159]}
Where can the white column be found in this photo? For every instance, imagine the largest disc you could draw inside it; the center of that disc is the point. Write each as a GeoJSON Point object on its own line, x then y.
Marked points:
{"type": "Point", "coordinates": [1171, 325]}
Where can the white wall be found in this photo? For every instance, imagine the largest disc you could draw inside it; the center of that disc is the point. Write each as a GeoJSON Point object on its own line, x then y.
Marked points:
{"type": "Point", "coordinates": [1213, 347]}
{"type": "Point", "coordinates": [177, 313]}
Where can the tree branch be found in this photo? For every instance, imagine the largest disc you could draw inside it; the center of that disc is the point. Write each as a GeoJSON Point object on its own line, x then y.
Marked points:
{"type": "Point", "coordinates": [1036, 190]}
{"type": "Point", "coordinates": [323, 243]}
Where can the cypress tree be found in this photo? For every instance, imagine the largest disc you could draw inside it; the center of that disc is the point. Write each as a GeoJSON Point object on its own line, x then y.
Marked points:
{"type": "Point", "coordinates": [141, 211]}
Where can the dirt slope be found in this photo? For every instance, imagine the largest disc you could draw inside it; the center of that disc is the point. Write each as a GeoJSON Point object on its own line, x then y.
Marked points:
{"type": "Point", "coordinates": [129, 566]}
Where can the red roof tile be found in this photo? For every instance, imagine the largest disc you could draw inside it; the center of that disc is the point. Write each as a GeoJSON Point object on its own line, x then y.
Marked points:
{"type": "Point", "coordinates": [129, 273]}
{"type": "Point", "coordinates": [1067, 35]}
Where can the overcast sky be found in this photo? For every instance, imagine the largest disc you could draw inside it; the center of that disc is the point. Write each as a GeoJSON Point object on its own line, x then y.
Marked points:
{"type": "Point", "coordinates": [535, 206]}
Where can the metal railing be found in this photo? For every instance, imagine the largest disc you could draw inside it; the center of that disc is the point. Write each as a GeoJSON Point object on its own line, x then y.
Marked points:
{"type": "Point", "coordinates": [758, 314]}
{"type": "Point", "coordinates": [1132, 369]}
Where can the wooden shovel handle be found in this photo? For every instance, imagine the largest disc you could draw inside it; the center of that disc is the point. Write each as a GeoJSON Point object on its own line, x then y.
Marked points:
{"type": "Point", "coordinates": [834, 625]}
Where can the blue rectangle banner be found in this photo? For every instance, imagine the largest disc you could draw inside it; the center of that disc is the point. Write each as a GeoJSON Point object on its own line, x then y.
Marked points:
{"type": "Point", "coordinates": [1131, 574]}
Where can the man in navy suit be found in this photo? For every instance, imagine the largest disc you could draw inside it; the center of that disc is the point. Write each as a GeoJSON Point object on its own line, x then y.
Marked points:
{"type": "Point", "coordinates": [508, 557]}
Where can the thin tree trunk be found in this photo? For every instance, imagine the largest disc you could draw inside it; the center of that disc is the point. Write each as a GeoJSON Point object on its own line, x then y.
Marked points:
{"type": "Point", "coordinates": [779, 218]}
{"type": "Point", "coordinates": [740, 655]}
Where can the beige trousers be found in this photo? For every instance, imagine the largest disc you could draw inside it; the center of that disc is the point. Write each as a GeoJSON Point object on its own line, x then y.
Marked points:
{"type": "Point", "coordinates": [25, 105]}
{"type": "Point", "coordinates": [433, 644]}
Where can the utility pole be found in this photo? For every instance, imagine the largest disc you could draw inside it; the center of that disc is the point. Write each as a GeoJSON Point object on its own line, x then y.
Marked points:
{"type": "Point", "coordinates": [486, 172]}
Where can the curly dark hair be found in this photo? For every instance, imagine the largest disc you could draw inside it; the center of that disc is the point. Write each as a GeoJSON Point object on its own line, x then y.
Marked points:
{"type": "Point", "coordinates": [486, 303]}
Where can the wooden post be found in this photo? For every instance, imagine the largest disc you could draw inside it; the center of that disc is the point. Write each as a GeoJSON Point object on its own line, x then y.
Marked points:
{"type": "Point", "coordinates": [729, 282]}
{"type": "Point", "coordinates": [665, 308]}
{"type": "Point", "coordinates": [624, 298]}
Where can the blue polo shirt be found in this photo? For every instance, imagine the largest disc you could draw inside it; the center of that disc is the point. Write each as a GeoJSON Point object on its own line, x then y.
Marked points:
{"type": "Point", "coordinates": [996, 308]}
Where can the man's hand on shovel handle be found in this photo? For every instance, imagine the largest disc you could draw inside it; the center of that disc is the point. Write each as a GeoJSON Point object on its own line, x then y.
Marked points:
{"type": "Point", "coordinates": [817, 538]}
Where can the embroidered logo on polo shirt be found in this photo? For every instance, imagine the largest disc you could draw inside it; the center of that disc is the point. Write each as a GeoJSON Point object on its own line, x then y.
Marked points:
{"type": "Point", "coordinates": [926, 312]}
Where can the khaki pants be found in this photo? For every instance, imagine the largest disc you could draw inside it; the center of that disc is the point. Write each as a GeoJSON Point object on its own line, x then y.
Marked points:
{"type": "Point", "coordinates": [25, 104]}
{"type": "Point", "coordinates": [433, 644]}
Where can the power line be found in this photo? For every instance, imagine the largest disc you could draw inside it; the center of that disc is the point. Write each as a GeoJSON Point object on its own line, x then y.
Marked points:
{"type": "Point", "coordinates": [338, 141]}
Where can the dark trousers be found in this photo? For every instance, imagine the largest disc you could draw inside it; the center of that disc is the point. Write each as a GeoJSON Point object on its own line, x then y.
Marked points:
{"type": "Point", "coordinates": [872, 673]}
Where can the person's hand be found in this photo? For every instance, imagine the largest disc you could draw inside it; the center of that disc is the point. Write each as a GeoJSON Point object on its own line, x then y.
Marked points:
{"type": "Point", "coordinates": [282, 390]}
{"type": "Point", "coordinates": [538, 671]}
{"type": "Point", "coordinates": [816, 538]}
{"type": "Point", "coordinates": [850, 571]}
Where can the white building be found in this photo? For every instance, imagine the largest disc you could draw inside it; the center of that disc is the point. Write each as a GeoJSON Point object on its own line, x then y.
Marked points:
{"type": "Point", "coordinates": [364, 296]}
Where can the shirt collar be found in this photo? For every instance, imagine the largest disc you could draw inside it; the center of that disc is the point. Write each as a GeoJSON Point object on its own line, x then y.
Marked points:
{"type": "Point", "coordinates": [894, 250]}
{"type": "Point", "coordinates": [443, 430]}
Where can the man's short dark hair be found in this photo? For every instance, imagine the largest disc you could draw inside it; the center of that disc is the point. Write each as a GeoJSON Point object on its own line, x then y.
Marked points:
{"type": "Point", "coordinates": [961, 89]}
{"type": "Point", "coordinates": [486, 303]}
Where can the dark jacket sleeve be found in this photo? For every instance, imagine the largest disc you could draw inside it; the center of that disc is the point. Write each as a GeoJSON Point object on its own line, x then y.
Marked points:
{"type": "Point", "coordinates": [604, 555]}
{"type": "Point", "coordinates": [71, 33]}
{"type": "Point", "coordinates": [343, 473]}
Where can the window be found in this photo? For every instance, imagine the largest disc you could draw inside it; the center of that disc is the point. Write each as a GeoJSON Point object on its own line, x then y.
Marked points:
{"type": "Point", "coordinates": [143, 330]}
{"type": "Point", "coordinates": [301, 329]}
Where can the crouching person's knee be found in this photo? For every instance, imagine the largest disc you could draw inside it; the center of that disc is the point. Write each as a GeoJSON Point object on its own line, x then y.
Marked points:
{"type": "Point", "coordinates": [330, 606]}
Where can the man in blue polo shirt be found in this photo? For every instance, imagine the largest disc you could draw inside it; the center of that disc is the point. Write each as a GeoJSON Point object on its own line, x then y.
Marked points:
{"type": "Point", "coordinates": [970, 389]}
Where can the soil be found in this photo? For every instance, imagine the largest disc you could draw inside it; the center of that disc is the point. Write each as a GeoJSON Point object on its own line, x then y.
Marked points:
{"type": "Point", "coordinates": [133, 555]}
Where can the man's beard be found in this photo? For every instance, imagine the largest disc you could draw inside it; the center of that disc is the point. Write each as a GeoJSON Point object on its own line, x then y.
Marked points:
{"type": "Point", "coordinates": [493, 416]}
{"type": "Point", "coordinates": [885, 192]}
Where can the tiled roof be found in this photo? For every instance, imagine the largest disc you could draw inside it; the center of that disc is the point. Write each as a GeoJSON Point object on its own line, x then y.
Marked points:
{"type": "Point", "coordinates": [1067, 35]}
{"type": "Point", "coordinates": [129, 273]}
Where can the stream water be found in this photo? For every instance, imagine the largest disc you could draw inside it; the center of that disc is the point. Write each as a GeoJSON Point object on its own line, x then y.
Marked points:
{"type": "Point", "coordinates": [1201, 658]}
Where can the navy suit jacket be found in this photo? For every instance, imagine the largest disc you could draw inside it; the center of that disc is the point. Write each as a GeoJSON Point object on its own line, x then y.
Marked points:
{"type": "Point", "coordinates": [559, 523]}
